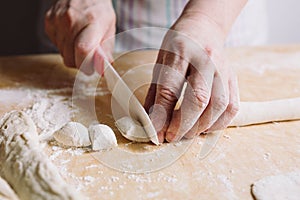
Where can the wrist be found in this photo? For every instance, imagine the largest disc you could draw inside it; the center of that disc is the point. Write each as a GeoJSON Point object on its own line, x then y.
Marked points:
{"type": "Point", "coordinates": [204, 31]}
{"type": "Point", "coordinates": [204, 23]}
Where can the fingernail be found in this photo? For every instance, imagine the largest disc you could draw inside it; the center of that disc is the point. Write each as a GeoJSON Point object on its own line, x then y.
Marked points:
{"type": "Point", "coordinates": [170, 137]}
{"type": "Point", "coordinates": [161, 137]}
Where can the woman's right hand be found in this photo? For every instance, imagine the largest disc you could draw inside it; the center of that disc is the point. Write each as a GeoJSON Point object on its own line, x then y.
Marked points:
{"type": "Point", "coordinates": [77, 27]}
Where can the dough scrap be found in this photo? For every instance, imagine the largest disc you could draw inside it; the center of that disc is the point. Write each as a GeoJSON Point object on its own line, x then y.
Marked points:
{"type": "Point", "coordinates": [6, 192]}
{"type": "Point", "coordinates": [284, 186]}
{"type": "Point", "coordinates": [24, 165]}
{"type": "Point", "coordinates": [102, 137]}
{"type": "Point", "coordinates": [73, 134]}
{"type": "Point", "coordinates": [132, 129]}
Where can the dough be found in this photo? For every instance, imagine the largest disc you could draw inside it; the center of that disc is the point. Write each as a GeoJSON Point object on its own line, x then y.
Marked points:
{"type": "Point", "coordinates": [102, 137]}
{"type": "Point", "coordinates": [6, 193]}
{"type": "Point", "coordinates": [267, 111]}
{"type": "Point", "coordinates": [73, 134]}
{"type": "Point", "coordinates": [24, 165]}
{"type": "Point", "coordinates": [132, 129]}
{"type": "Point", "coordinates": [286, 186]}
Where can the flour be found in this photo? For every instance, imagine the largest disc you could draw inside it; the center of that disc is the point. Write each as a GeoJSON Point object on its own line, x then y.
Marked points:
{"type": "Point", "coordinates": [89, 179]}
{"type": "Point", "coordinates": [49, 113]}
{"type": "Point", "coordinates": [228, 185]}
{"type": "Point", "coordinates": [10, 96]}
{"type": "Point", "coordinates": [85, 86]}
{"type": "Point", "coordinates": [91, 166]}
{"type": "Point", "coordinates": [49, 109]}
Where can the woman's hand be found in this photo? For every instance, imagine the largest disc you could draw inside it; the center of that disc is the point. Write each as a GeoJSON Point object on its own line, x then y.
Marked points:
{"type": "Point", "coordinates": [192, 52]}
{"type": "Point", "coordinates": [77, 27]}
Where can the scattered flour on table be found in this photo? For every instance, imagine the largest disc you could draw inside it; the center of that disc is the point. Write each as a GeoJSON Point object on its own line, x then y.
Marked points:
{"type": "Point", "coordinates": [49, 109]}
{"type": "Point", "coordinates": [87, 86]}
{"type": "Point", "coordinates": [50, 113]}
{"type": "Point", "coordinates": [13, 96]}
{"type": "Point", "coordinates": [228, 185]}
{"type": "Point", "coordinates": [58, 155]}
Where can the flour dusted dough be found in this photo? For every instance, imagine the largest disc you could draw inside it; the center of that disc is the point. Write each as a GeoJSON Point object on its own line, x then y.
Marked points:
{"type": "Point", "coordinates": [6, 193]}
{"type": "Point", "coordinates": [285, 186]}
{"type": "Point", "coordinates": [24, 165]}
{"type": "Point", "coordinates": [73, 134]}
{"type": "Point", "coordinates": [102, 137]}
{"type": "Point", "coordinates": [132, 129]}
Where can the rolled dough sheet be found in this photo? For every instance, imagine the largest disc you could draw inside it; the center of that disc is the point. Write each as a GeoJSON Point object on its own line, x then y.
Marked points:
{"type": "Point", "coordinates": [284, 186]}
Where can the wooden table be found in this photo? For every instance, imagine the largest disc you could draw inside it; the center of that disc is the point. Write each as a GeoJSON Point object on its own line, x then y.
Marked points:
{"type": "Point", "coordinates": [242, 155]}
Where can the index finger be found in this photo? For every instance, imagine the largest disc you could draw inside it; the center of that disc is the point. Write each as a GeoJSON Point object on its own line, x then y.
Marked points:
{"type": "Point", "coordinates": [169, 85]}
{"type": "Point", "coordinates": [196, 97]}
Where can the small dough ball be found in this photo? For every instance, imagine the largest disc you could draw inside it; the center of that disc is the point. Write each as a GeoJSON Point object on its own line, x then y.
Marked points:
{"type": "Point", "coordinates": [73, 134]}
{"type": "Point", "coordinates": [132, 129]}
{"type": "Point", "coordinates": [102, 137]}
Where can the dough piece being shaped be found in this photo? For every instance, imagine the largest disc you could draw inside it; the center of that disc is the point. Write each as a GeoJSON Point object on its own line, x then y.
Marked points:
{"type": "Point", "coordinates": [285, 186]}
{"type": "Point", "coordinates": [25, 166]}
{"type": "Point", "coordinates": [6, 193]}
{"type": "Point", "coordinates": [102, 137]}
{"type": "Point", "coordinates": [73, 134]}
{"type": "Point", "coordinates": [132, 129]}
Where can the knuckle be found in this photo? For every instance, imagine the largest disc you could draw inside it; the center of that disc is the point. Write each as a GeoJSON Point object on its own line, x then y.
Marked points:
{"type": "Point", "coordinates": [183, 46]}
{"type": "Point", "coordinates": [69, 16]}
{"type": "Point", "coordinates": [202, 95]}
{"type": "Point", "coordinates": [90, 16]}
{"type": "Point", "coordinates": [167, 96]}
{"type": "Point", "coordinates": [48, 15]}
{"type": "Point", "coordinates": [57, 15]}
{"type": "Point", "coordinates": [178, 46]}
{"type": "Point", "coordinates": [178, 42]}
